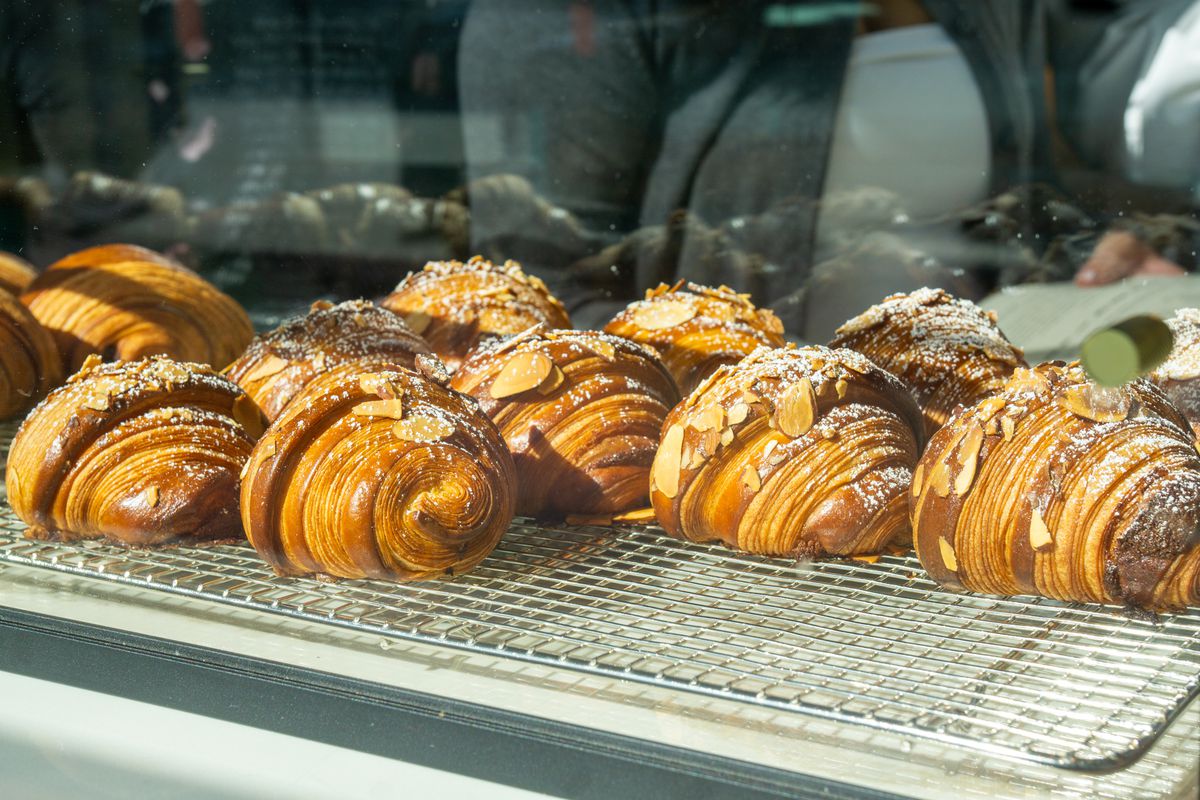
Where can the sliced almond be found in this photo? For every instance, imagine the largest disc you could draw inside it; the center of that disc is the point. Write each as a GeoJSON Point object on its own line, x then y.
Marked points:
{"type": "Point", "coordinates": [939, 479]}
{"type": "Point", "coordinates": [1039, 533]}
{"type": "Point", "coordinates": [751, 479]}
{"type": "Point", "coordinates": [268, 447]}
{"type": "Point", "coordinates": [865, 321]}
{"type": "Point", "coordinates": [553, 381]}
{"type": "Point", "coordinates": [711, 418]}
{"type": "Point", "coordinates": [968, 459]}
{"type": "Point", "coordinates": [604, 349]}
{"type": "Point", "coordinates": [738, 413]}
{"type": "Point", "coordinates": [710, 441]}
{"type": "Point", "coordinates": [245, 469]}
{"type": "Point", "coordinates": [432, 368]}
{"type": "Point", "coordinates": [90, 363]}
{"type": "Point", "coordinates": [637, 516]}
{"type": "Point", "coordinates": [271, 365]}
{"type": "Point", "coordinates": [770, 448]}
{"type": "Point", "coordinates": [918, 479]}
{"type": "Point", "coordinates": [418, 321]}
{"type": "Point", "coordinates": [727, 437]}
{"type": "Point", "coordinates": [666, 462]}
{"type": "Point", "coordinates": [1009, 427]}
{"type": "Point", "coordinates": [841, 387]}
{"type": "Point", "coordinates": [990, 406]}
{"type": "Point", "coordinates": [151, 496]}
{"type": "Point", "coordinates": [246, 414]}
{"type": "Point", "coordinates": [659, 316]}
{"type": "Point", "coordinates": [391, 409]}
{"type": "Point", "coordinates": [319, 362]}
{"type": "Point", "coordinates": [1096, 403]}
{"type": "Point", "coordinates": [359, 320]}
{"type": "Point", "coordinates": [797, 408]}
{"type": "Point", "coordinates": [320, 305]}
{"type": "Point", "coordinates": [96, 402]}
{"type": "Point", "coordinates": [749, 397]}
{"type": "Point", "coordinates": [992, 427]}
{"type": "Point", "coordinates": [947, 554]}
{"type": "Point", "coordinates": [871, 559]}
{"type": "Point", "coordinates": [524, 371]}
{"type": "Point", "coordinates": [993, 316]}
{"type": "Point", "coordinates": [422, 428]}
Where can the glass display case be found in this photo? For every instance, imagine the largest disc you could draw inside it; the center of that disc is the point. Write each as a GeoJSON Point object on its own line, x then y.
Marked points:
{"type": "Point", "coordinates": [817, 503]}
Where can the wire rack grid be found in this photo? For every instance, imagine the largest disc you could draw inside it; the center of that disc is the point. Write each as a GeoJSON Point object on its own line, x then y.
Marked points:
{"type": "Point", "coordinates": [1069, 685]}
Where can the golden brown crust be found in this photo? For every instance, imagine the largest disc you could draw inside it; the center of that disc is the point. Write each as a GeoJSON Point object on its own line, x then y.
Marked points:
{"type": "Point", "coordinates": [1060, 488]}
{"type": "Point", "coordinates": [455, 306]}
{"type": "Point", "coordinates": [29, 362]}
{"type": "Point", "coordinates": [141, 452]}
{"type": "Point", "coordinates": [581, 412]}
{"type": "Point", "coordinates": [278, 364]}
{"type": "Point", "coordinates": [791, 452]}
{"type": "Point", "coordinates": [697, 328]}
{"type": "Point", "coordinates": [15, 273]}
{"type": "Point", "coordinates": [1179, 375]}
{"type": "Point", "coordinates": [949, 352]}
{"type": "Point", "coordinates": [378, 474]}
{"type": "Point", "coordinates": [127, 310]}
{"type": "Point", "coordinates": [103, 254]}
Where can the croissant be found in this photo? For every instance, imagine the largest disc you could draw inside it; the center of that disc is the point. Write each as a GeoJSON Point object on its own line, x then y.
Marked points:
{"type": "Point", "coordinates": [29, 363]}
{"type": "Point", "coordinates": [697, 328]}
{"type": "Point", "coordinates": [790, 452]}
{"type": "Point", "coordinates": [15, 273]}
{"type": "Point", "coordinates": [278, 364]}
{"type": "Point", "coordinates": [1059, 488]}
{"type": "Point", "coordinates": [1179, 375]}
{"type": "Point", "coordinates": [581, 412]}
{"type": "Point", "coordinates": [454, 306]}
{"type": "Point", "coordinates": [949, 352]}
{"type": "Point", "coordinates": [142, 452]}
{"type": "Point", "coordinates": [103, 254]}
{"type": "Point", "coordinates": [378, 474]}
{"type": "Point", "coordinates": [130, 309]}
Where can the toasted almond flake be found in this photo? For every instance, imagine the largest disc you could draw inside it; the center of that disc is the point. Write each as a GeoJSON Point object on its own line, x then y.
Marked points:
{"type": "Point", "coordinates": [990, 406]}
{"type": "Point", "coordinates": [993, 316]}
{"type": "Point", "coordinates": [553, 381]}
{"type": "Point", "coordinates": [797, 409]}
{"type": "Point", "coordinates": [666, 461]}
{"type": "Point", "coordinates": [871, 559]}
{"type": "Point", "coordinates": [918, 478]}
{"type": "Point", "coordinates": [268, 447]}
{"type": "Point", "coordinates": [432, 368]}
{"type": "Point", "coordinates": [246, 414]}
{"type": "Point", "coordinates": [245, 469]}
{"type": "Point", "coordinates": [865, 321]}
{"type": "Point", "coordinates": [271, 365]}
{"type": "Point", "coordinates": [524, 371]}
{"type": "Point", "coordinates": [770, 448]}
{"type": "Point", "coordinates": [751, 479]}
{"type": "Point", "coordinates": [712, 417]}
{"type": "Point", "coordinates": [727, 437]}
{"type": "Point", "coordinates": [1008, 426]}
{"type": "Point", "coordinates": [637, 516]}
{"type": "Point", "coordinates": [1039, 533]}
{"type": "Point", "coordinates": [939, 479]}
{"type": "Point", "coordinates": [320, 305]}
{"type": "Point", "coordinates": [319, 362]}
{"type": "Point", "coordinates": [968, 458]}
{"type": "Point", "coordinates": [841, 387]}
{"type": "Point", "coordinates": [90, 363]}
{"type": "Point", "coordinates": [992, 427]}
{"type": "Point", "coordinates": [604, 349]}
{"type": "Point", "coordinates": [418, 321]}
{"type": "Point", "coordinates": [947, 554]}
{"type": "Point", "coordinates": [738, 413]}
{"type": "Point", "coordinates": [1095, 403]}
{"type": "Point", "coordinates": [392, 408]}
{"type": "Point", "coordinates": [659, 316]}
{"type": "Point", "coordinates": [422, 428]}
{"type": "Point", "coordinates": [96, 402]}
{"type": "Point", "coordinates": [151, 496]}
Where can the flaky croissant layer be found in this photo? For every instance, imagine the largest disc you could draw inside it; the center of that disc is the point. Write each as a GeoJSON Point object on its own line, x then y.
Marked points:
{"type": "Point", "coordinates": [1059, 488]}
{"type": "Point", "coordinates": [378, 474]}
{"type": "Point", "coordinates": [795, 452]}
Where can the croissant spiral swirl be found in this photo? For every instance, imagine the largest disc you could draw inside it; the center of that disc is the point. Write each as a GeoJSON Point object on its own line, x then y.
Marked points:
{"type": "Point", "coordinates": [1179, 375]}
{"type": "Point", "coordinates": [455, 306]}
{"type": "Point", "coordinates": [131, 309]}
{"type": "Point", "coordinates": [791, 452]}
{"type": "Point", "coordinates": [948, 352]}
{"type": "Point", "coordinates": [581, 412]}
{"type": "Point", "coordinates": [29, 362]}
{"type": "Point", "coordinates": [1056, 487]}
{"type": "Point", "coordinates": [278, 364]}
{"type": "Point", "coordinates": [141, 452]}
{"type": "Point", "coordinates": [379, 475]}
{"type": "Point", "coordinates": [15, 273]}
{"type": "Point", "coordinates": [697, 328]}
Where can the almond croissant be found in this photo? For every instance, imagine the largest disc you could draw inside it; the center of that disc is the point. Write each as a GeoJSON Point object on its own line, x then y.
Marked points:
{"type": "Point", "coordinates": [142, 452]}
{"type": "Point", "coordinates": [791, 452]}
{"type": "Point", "coordinates": [378, 474]}
{"type": "Point", "coordinates": [697, 328]}
{"type": "Point", "coordinates": [1059, 488]}
{"type": "Point", "coordinates": [581, 412]}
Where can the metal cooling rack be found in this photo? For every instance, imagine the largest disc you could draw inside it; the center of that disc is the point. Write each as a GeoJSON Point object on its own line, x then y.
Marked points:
{"type": "Point", "coordinates": [1074, 686]}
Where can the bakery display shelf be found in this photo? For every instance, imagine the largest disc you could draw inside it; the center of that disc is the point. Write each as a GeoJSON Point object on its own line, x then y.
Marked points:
{"type": "Point", "coordinates": [1075, 686]}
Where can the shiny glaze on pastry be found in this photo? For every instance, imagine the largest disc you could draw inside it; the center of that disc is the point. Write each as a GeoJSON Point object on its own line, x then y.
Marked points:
{"type": "Point", "coordinates": [141, 452]}
{"type": "Point", "coordinates": [802, 452]}
{"type": "Point", "coordinates": [1059, 488]}
{"type": "Point", "coordinates": [15, 273]}
{"type": "Point", "coordinates": [949, 352]}
{"type": "Point", "coordinates": [697, 328]}
{"type": "Point", "coordinates": [378, 474]}
{"type": "Point", "coordinates": [581, 412]}
{"type": "Point", "coordinates": [29, 362]}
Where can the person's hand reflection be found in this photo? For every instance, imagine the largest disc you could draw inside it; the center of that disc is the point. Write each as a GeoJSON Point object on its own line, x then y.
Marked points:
{"type": "Point", "coordinates": [1120, 254]}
